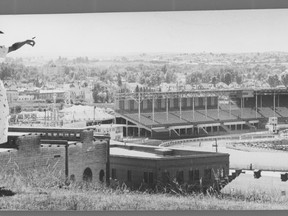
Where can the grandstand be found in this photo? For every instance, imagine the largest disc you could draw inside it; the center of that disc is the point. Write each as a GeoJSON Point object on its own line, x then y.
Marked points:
{"type": "Point", "coordinates": [168, 115]}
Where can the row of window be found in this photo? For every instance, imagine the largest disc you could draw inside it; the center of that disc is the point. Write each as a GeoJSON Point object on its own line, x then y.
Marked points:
{"type": "Point", "coordinates": [76, 135]}
{"type": "Point", "coordinates": [193, 175]}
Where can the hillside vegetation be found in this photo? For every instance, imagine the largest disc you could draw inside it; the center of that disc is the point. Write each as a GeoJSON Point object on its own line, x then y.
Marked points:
{"type": "Point", "coordinates": [43, 190]}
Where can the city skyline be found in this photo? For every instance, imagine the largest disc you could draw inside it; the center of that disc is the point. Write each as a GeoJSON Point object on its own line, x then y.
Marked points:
{"type": "Point", "coordinates": [148, 32]}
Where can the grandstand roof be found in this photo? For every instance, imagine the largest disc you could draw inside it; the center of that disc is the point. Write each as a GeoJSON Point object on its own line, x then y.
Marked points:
{"type": "Point", "coordinates": [198, 93]}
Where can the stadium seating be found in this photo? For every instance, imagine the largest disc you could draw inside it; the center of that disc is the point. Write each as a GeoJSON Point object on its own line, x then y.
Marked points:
{"type": "Point", "coordinates": [198, 116]}
{"type": "Point", "coordinates": [144, 119]}
{"type": "Point", "coordinates": [267, 112]}
{"type": "Point", "coordinates": [247, 113]}
{"type": "Point", "coordinates": [282, 111]}
{"type": "Point", "coordinates": [227, 107]}
{"type": "Point", "coordinates": [213, 113]}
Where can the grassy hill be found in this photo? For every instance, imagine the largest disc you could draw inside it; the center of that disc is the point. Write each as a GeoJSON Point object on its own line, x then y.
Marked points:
{"type": "Point", "coordinates": [45, 191]}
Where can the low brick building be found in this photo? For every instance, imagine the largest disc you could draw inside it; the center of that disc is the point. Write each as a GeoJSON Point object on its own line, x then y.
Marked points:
{"type": "Point", "coordinates": [148, 166]}
{"type": "Point", "coordinates": [75, 154]}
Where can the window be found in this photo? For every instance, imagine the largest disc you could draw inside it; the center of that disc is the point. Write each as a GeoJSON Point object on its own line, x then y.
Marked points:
{"type": "Point", "coordinates": [87, 175]}
{"type": "Point", "coordinates": [72, 134]}
{"type": "Point", "coordinates": [165, 177]}
{"type": "Point", "coordinates": [129, 175]}
{"type": "Point", "coordinates": [151, 178]}
{"type": "Point", "coordinates": [207, 174]}
{"type": "Point", "coordinates": [180, 177]}
{"type": "Point", "coordinates": [101, 176]}
{"type": "Point", "coordinates": [191, 176]}
{"type": "Point", "coordinates": [148, 177]}
{"type": "Point", "coordinates": [113, 175]}
{"type": "Point", "coordinates": [196, 175]}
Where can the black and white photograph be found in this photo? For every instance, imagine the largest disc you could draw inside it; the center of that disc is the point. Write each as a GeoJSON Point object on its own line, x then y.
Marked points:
{"type": "Point", "coordinates": [175, 110]}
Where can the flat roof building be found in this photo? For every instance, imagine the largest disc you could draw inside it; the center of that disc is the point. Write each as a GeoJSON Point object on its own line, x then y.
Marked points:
{"type": "Point", "coordinates": [141, 167]}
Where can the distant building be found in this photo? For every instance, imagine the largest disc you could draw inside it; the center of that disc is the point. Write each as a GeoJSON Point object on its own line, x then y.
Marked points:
{"type": "Point", "coordinates": [12, 95]}
{"type": "Point", "coordinates": [25, 98]}
{"type": "Point", "coordinates": [49, 94]}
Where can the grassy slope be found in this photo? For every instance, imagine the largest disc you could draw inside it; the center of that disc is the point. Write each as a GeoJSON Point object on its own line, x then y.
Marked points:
{"type": "Point", "coordinates": [61, 199]}
{"type": "Point", "coordinates": [43, 191]}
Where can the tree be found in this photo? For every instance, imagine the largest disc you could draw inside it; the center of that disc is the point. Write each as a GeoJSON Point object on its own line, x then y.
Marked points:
{"type": "Point", "coordinates": [137, 89]}
{"type": "Point", "coordinates": [214, 81]}
{"type": "Point", "coordinates": [164, 69]}
{"type": "Point", "coordinates": [18, 109]}
{"type": "Point", "coordinates": [284, 79]}
{"type": "Point", "coordinates": [119, 80]}
{"type": "Point", "coordinates": [95, 92]}
{"type": "Point", "coordinates": [273, 80]}
{"type": "Point", "coordinates": [227, 78]}
{"type": "Point", "coordinates": [238, 79]}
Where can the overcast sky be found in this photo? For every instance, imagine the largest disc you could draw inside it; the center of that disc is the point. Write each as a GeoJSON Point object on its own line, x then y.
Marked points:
{"type": "Point", "coordinates": [191, 31]}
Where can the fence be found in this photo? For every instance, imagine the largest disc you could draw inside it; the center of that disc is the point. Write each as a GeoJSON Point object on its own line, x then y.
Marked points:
{"type": "Point", "coordinates": [259, 135]}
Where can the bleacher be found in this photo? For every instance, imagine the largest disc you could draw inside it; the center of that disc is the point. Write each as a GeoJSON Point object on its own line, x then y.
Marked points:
{"type": "Point", "coordinates": [267, 112]}
{"type": "Point", "coordinates": [228, 107]}
{"type": "Point", "coordinates": [213, 114]}
{"type": "Point", "coordinates": [143, 119]}
{"type": "Point", "coordinates": [245, 113]}
{"type": "Point", "coordinates": [282, 111]}
{"type": "Point", "coordinates": [161, 117]}
{"type": "Point", "coordinates": [188, 115]}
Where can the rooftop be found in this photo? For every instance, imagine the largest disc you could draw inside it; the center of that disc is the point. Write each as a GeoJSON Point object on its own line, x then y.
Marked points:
{"type": "Point", "coordinates": [152, 152]}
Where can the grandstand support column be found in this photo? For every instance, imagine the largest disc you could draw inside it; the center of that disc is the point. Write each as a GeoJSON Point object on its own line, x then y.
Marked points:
{"type": "Point", "coordinates": [261, 101]}
{"type": "Point", "coordinates": [139, 108]}
{"type": "Point", "coordinates": [274, 106]}
{"type": "Point", "coordinates": [256, 104]}
{"type": "Point", "coordinates": [126, 128]}
{"type": "Point", "coordinates": [193, 107]}
{"type": "Point", "coordinates": [153, 110]}
{"type": "Point", "coordinates": [139, 131]}
{"type": "Point", "coordinates": [206, 107]}
{"type": "Point", "coordinates": [241, 110]}
{"type": "Point", "coordinates": [180, 106]}
{"type": "Point", "coordinates": [229, 107]}
{"type": "Point", "coordinates": [278, 103]}
{"type": "Point", "coordinates": [167, 111]}
{"type": "Point", "coordinates": [218, 111]}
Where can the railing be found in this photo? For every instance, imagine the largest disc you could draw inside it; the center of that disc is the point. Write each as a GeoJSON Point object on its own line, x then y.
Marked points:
{"type": "Point", "coordinates": [202, 139]}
